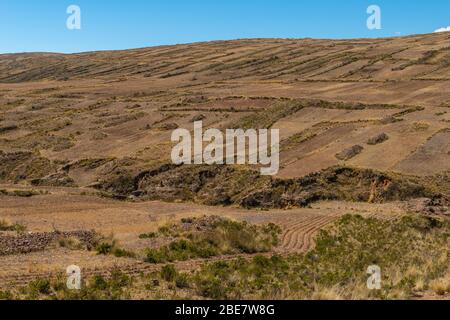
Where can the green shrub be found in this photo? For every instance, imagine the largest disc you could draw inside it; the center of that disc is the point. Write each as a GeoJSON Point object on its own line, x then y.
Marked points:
{"type": "Point", "coordinates": [164, 230]}
{"type": "Point", "coordinates": [119, 280]}
{"type": "Point", "coordinates": [99, 283]}
{"type": "Point", "coordinates": [6, 226]}
{"type": "Point", "coordinates": [339, 262]}
{"type": "Point", "coordinates": [150, 235]}
{"type": "Point", "coordinates": [213, 289]}
{"type": "Point", "coordinates": [104, 248]}
{"type": "Point", "coordinates": [97, 288]}
{"type": "Point", "coordinates": [412, 252]}
{"type": "Point", "coordinates": [40, 286]}
{"type": "Point", "coordinates": [110, 247]}
{"type": "Point", "coordinates": [182, 281]}
{"type": "Point", "coordinates": [155, 256]}
{"type": "Point", "coordinates": [122, 253]}
{"type": "Point", "coordinates": [169, 273]}
{"type": "Point", "coordinates": [6, 295]}
{"type": "Point", "coordinates": [218, 236]}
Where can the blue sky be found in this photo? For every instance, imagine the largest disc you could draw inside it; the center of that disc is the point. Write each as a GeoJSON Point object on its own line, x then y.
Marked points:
{"type": "Point", "coordinates": [31, 25]}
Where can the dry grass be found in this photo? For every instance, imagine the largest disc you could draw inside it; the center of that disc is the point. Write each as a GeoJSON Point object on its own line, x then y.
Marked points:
{"type": "Point", "coordinates": [412, 254]}
{"type": "Point", "coordinates": [66, 109]}
{"type": "Point", "coordinates": [6, 225]}
{"type": "Point", "coordinates": [440, 286]}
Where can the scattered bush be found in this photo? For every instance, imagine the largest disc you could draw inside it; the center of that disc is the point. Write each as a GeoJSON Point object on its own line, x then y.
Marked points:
{"type": "Point", "coordinates": [211, 236]}
{"type": "Point", "coordinates": [411, 252]}
{"type": "Point", "coordinates": [40, 286]}
{"type": "Point", "coordinates": [6, 295]}
{"type": "Point", "coordinates": [149, 235]}
{"type": "Point", "coordinates": [110, 247]}
{"type": "Point", "coordinates": [97, 288]}
{"type": "Point", "coordinates": [182, 281]}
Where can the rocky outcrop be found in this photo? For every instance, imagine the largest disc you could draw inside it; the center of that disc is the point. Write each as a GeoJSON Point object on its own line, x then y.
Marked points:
{"type": "Point", "coordinates": [234, 185]}
{"type": "Point", "coordinates": [382, 137]}
{"type": "Point", "coordinates": [438, 205]}
{"type": "Point", "coordinates": [59, 179]}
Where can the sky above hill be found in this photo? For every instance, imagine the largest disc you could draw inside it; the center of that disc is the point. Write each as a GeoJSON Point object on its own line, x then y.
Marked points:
{"type": "Point", "coordinates": [27, 26]}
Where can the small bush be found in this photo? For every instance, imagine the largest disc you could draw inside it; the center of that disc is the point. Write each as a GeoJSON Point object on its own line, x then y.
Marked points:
{"type": "Point", "coordinates": [6, 226]}
{"type": "Point", "coordinates": [99, 283]}
{"type": "Point", "coordinates": [97, 288]}
{"type": "Point", "coordinates": [149, 235]}
{"type": "Point", "coordinates": [106, 247]}
{"type": "Point", "coordinates": [40, 286]}
{"type": "Point", "coordinates": [182, 281]}
{"type": "Point", "coordinates": [6, 295]}
{"type": "Point", "coordinates": [122, 253]}
{"type": "Point", "coordinates": [412, 252]}
{"type": "Point", "coordinates": [169, 273]}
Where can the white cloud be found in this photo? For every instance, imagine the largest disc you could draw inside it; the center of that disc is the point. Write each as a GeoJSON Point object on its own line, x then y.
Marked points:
{"type": "Point", "coordinates": [443, 29]}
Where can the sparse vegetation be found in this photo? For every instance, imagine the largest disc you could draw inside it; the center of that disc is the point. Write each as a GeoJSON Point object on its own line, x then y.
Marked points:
{"type": "Point", "coordinates": [412, 253]}
{"type": "Point", "coordinates": [7, 226]}
{"type": "Point", "coordinates": [110, 246]}
{"type": "Point", "coordinates": [149, 235]}
{"type": "Point", "coordinates": [213, 236]}
{"type": "Point", "coordinates": [61, 136]}
{"type": "Point", "coordinates": [96, 288]}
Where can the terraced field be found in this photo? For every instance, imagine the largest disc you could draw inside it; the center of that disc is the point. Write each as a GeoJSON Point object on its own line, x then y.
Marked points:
{"type": "Point", "coordinates": [65, 210]}
{"type": "Point", "coordinates": [85, 141]}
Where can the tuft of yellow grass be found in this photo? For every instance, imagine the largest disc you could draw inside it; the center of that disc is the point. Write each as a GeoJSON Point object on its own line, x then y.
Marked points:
{"type": "Point", "coordinates": [419, 284]}
{"type": "Point", "coordinates": [440, 286]}
{"type": "Point", "coordinates": [327, 294]}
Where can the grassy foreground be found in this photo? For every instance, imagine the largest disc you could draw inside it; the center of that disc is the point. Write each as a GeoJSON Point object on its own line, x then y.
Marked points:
{"type": "Point", "coordinates": [413, 254]}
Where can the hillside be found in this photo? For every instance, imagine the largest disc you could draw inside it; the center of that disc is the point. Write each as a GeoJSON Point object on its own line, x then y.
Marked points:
{"type": "Point", "coordinates": [122, 104]}
{"type": "Point", "coordinates": [85, 145]}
